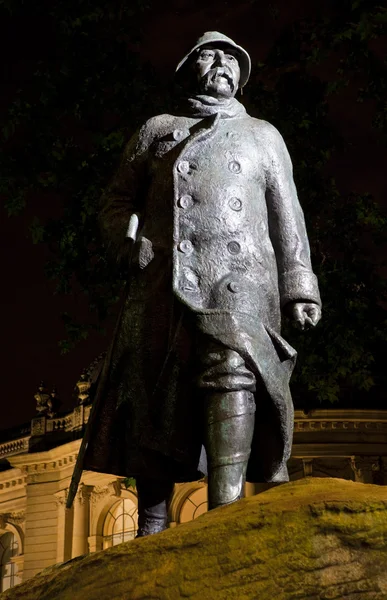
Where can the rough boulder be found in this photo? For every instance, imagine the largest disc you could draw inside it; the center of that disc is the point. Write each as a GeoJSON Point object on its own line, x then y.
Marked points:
{"type": "Point", "coordinates": [313, 539]}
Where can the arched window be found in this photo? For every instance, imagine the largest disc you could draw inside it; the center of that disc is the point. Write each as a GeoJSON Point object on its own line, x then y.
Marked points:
{"type": "Point", "coordinates": [120, 523]}
{"type": "Point", "coordinates": [195, 504]}
{"type": "Point", "coordinates": [8, 570]}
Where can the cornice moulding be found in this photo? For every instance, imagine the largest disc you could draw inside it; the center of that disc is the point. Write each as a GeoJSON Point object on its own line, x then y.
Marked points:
{"type": "Point", "coordinates": [67, 451]}
{"type": "Point", "coordinates": [341, 415]}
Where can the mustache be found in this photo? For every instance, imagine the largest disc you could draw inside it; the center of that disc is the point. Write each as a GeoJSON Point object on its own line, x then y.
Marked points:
{"type": "Point", "coordinates": [221, 72]}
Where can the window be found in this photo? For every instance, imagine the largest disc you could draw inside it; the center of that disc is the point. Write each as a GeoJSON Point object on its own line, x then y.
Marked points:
{"type": "Point", "coordinates": [195, 505]}
{"type": "Point", "coordinates": [120, 523]}
{"type": "Point", "coordinates": [8, 570]}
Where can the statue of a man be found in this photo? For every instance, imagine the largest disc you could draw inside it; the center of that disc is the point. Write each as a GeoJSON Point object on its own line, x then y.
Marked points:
{"type": "Point", "coordinates": [197, 382]}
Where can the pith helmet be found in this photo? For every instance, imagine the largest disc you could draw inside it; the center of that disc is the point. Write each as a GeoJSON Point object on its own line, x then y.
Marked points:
{"type": "Point", "coordinates": [211, 37]}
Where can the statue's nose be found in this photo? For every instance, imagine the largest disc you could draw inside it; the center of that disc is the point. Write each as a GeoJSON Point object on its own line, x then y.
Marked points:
{"type": "Point", "coordinates": [220, 58]}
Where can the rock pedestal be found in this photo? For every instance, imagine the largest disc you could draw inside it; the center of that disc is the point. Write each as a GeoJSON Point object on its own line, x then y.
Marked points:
{"type": "Point", "coordinates": [312, 539]}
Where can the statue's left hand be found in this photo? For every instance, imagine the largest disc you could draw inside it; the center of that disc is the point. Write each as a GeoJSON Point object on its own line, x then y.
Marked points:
{"type": "Point", "coordinates": [304, 314]}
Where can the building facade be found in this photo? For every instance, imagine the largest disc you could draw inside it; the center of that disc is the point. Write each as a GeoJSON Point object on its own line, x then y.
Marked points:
{"type": "Point", "coordinates": [37, 531]}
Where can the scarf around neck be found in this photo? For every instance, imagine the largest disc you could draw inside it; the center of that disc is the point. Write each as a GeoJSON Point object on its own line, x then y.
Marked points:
{"type": "Point", "coordinates": [204, 106]}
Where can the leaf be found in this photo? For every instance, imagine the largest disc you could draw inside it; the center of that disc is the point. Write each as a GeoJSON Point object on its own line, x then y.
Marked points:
{"type": "Point", "coordinates": [37, 231]}
{"type": "Point", "coordinates": [129, 482]}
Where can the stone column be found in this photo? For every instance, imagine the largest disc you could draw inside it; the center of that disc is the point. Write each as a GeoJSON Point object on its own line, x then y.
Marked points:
{"type": "Point", "coordinates": [95, 543]}
{"type": "Point", "coordinates": [249, 489]}
{"type": "Point", "coordinates": [64, 532]}
{"type": "Point", "coordinates": [364, 467]}
{"type": "Point", "coordinates": [18, 561]}
{"type": "Point", "coordinates": [81, 521]}
{"type": "Point", "coordinates": [307, 465]}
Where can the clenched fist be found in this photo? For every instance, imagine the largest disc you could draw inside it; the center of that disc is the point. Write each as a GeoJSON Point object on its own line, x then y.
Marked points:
{"type": "Point", "coordinates": [304, 314]}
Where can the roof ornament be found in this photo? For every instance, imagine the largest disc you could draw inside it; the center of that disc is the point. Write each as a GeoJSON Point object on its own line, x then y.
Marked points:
{"type": "Point", "coordinates": [46, 404]}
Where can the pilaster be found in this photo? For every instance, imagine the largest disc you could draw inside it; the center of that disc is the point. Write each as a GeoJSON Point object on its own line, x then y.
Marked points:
{"type": "Point", "coordinates": [18, 561]}
{"type": "Point", "coordinates": [65, 527]}
{"type": "Point", "coordinates": [81, 521]}
{"type": "Point", "coordinates": [95, 543]}
{"type": "Point", "coordinates": [307, 465]}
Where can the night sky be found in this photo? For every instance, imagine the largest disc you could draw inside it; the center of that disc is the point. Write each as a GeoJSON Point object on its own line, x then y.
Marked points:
{"type": "Point", "coordinates": [30, 311]}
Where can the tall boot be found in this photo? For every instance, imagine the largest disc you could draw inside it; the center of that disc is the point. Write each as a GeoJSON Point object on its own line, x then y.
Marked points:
{"type": "Point", "coordinates": [153, 503]}
{"type": "Point", "coordinates": [229, 433]}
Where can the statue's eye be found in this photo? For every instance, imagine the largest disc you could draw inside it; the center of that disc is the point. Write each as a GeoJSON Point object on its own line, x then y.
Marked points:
{"type": "Point", "coordinates": [206, 54]}
{"type": "Point", "coordinates": [230, 57]}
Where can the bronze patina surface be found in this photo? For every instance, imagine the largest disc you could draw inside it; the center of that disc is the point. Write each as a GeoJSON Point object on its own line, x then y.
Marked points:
{"type": "Point", "coordinates": [197, 379]}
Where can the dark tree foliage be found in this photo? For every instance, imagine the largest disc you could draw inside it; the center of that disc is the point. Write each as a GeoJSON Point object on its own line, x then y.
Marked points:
{"type": "Point", "coordinates": [343, 356]}
{"type": "Point", "coordinates": [65, 130]}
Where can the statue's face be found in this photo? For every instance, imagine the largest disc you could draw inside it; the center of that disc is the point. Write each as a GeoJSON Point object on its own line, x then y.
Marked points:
{"type": "Point", "coordinates": [217, 71]}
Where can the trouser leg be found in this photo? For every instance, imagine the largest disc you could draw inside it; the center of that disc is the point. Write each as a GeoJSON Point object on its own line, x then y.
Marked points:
{"type": "Point", "coordinates": [153, 503]}
{"type": "Point", "coordinates": [229, 433]}
{"type": "Point", "coordinates": [229, 413]}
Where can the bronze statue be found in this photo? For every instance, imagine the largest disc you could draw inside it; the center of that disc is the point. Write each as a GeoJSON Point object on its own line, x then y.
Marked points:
{"type": "Point", "coordinates": [197, 379]}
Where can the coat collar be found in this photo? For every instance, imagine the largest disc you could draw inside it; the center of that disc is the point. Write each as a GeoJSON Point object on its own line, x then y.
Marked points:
{"type": "Point", "coordinates": [204, 106]}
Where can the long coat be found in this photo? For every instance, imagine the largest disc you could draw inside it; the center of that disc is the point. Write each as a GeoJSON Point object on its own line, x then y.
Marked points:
{"type": "Point", "coordinates": [222, 238]}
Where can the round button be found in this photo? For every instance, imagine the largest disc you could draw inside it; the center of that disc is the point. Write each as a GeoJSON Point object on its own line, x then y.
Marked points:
{"type": "Point", "coordinates": [178, 135]}
{"type": "Point", "coordinates": [233, 248]}
{"type": "Point", "coordinates": [185, 246]}
{"type": "Point", "coordinates": [183, 166]}
{"type": "Point", "coordinates": [185, 201]}
{"type": "Point", "coordinates": [234, 166]}
{"type": "Point", "coordinates": [234, 287]}
{"type": "Point", "coordinates": [235, 203]}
